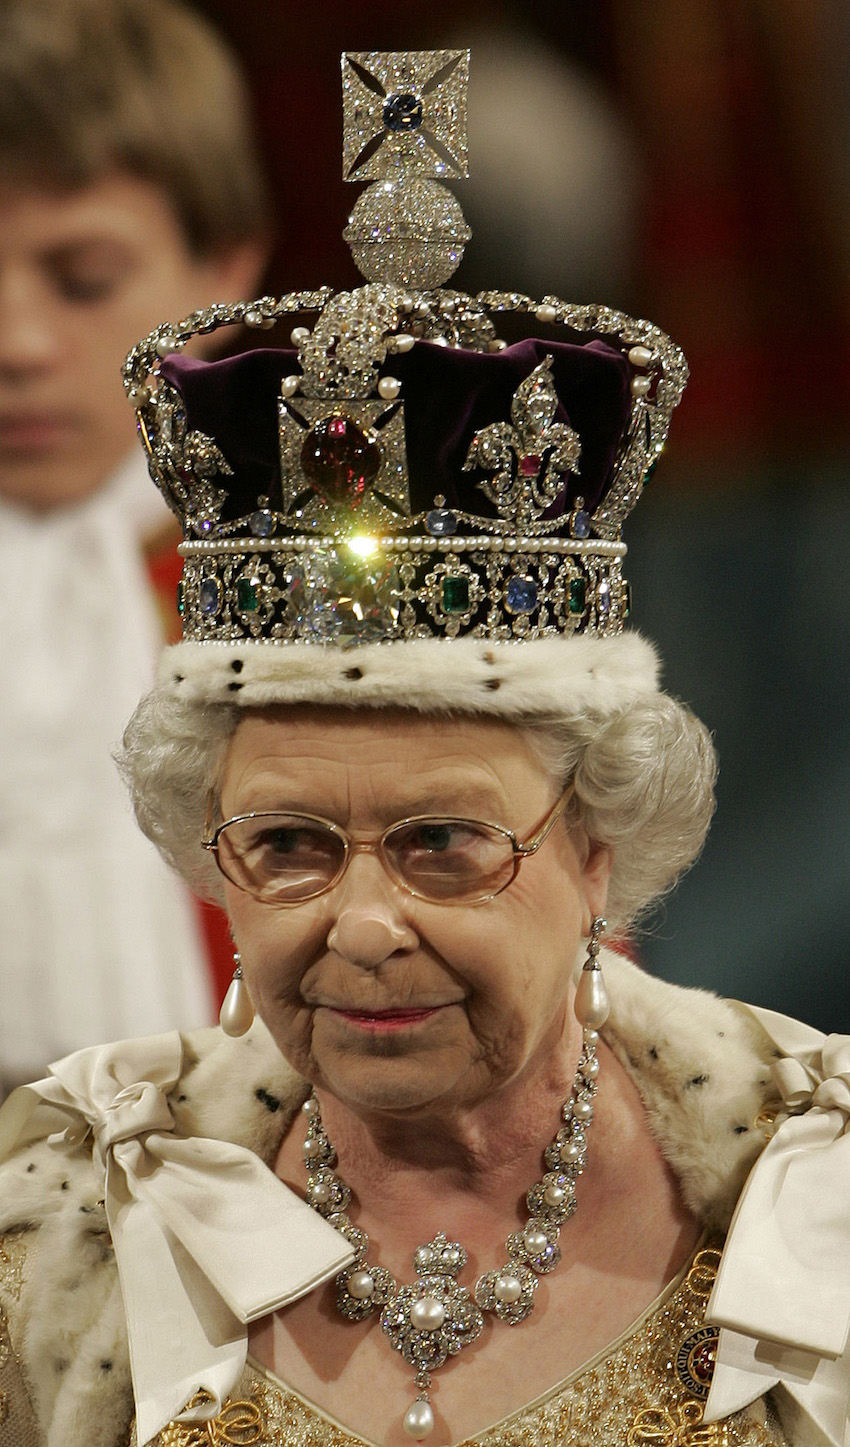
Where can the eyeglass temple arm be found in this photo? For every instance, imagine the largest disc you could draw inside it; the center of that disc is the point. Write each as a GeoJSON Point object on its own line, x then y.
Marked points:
{"type": "Point", "coordinates": [533, 844]}
{"type": "Point", "coordinates": [208, 841]}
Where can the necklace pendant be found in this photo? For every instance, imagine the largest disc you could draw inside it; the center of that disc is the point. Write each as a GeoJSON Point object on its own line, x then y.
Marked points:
{"type": "Point", "coordinates": [435, 1318]}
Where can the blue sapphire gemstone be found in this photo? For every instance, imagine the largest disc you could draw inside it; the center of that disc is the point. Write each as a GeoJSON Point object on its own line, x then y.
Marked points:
{"type": "Point", "coordinates": [262, 523]}
{"type": "Point", "coordinates": [580, 524]}
{"type": "Point", "coordinates": [441, 523]}
{"type": "Point", "coordinates": [520, 595]}
{"type": "Point", "coordinates": [403, 112]}
{"type": "Point", "coordinates": [209, 596]}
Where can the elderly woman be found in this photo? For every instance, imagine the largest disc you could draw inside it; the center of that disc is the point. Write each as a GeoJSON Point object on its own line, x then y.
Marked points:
{"type": "Point", "coordinates": [452, 1170]}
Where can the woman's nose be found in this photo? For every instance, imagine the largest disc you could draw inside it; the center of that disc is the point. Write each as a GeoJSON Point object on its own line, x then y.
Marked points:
{"type": "Point", "coordinates": [370, 922]}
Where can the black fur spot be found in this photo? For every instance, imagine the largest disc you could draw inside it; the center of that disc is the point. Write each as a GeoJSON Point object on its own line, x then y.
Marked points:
{"type": "Point", "coordinates": [65, 1186]}
{"type": "Point", "coordinates": [106, 1366]}
{"type": "Point", "coordinates": [178, 678]}
{"type": "Point", "coordinates": [353, 674]}
{"type": "Point", "coordinates": [493, 684]}
{"type": "Point", "coordinates": [652, 1052]}
{"type": "Point", "coordinates": [234, 687]}
{"type": "Point", "coordinates": [740, 1129]}
{"type": "Point", "coordinates": [181, 1099]}
{"type": "Point", "coordinates": [266, 1098]}
{"type": "Point", "coordinates": [30, 1167]}
{"type": "Point", "coordinates": [237, 665]}
{"type": "Point", "coordinates": [696, 1080]}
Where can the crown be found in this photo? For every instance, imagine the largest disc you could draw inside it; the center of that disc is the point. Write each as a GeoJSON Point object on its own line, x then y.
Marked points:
{"type": "Point", "coordinates": [403, 472]}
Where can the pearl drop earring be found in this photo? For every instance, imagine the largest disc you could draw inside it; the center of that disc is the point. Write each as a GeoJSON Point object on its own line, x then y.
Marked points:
{"type": "Point", "coordinates": [591, 1002]}
{"type": "Point", "coordinates": [237, 1013]}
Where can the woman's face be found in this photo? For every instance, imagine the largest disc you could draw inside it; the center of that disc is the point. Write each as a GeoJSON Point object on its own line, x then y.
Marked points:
{"type": "Point", "coordinates": [386, 1000]}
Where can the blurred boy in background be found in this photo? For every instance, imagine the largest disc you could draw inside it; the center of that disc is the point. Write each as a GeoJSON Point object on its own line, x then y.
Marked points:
{"type": "Point", "coordinates": [130, 194]}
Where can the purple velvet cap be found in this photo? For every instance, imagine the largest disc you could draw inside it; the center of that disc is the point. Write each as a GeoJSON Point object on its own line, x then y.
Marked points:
{"type": "Point", "coordinates": [448, 395]}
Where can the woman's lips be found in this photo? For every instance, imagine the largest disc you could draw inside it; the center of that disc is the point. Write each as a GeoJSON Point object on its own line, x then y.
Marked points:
{"type": "Point", "coordinates": [387, 1019]}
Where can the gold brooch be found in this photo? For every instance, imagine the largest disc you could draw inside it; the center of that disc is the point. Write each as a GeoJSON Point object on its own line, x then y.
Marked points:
{"type": "Point", "coordinates": [238, 1424]}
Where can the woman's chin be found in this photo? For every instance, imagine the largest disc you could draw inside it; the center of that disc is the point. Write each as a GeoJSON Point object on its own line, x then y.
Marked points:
{"type": "Point", "coordinates": [383, 1066]}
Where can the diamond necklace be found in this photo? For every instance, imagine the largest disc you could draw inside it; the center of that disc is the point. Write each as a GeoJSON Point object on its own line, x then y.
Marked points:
{"type": "Point", "coordinates": [435, 1318]}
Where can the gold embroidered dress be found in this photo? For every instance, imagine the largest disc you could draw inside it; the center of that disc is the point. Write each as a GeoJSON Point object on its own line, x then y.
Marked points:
{"type": "Point", "coordinates": [646, 1389]}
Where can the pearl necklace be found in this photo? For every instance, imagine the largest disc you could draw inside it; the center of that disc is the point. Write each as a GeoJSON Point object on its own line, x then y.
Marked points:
{"type": "Point", "coordinates": [435, 1318]}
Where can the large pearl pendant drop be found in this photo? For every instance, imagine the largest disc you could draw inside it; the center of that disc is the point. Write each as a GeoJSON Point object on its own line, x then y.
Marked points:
{"type": "Point", "coordinates": [418, 1420]}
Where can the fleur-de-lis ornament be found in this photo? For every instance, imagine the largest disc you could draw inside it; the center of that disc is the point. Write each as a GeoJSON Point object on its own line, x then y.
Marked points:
{"type": "Point", "coordinates": [188, 462]}
{"type": "Point", "coordinates": [529, 455]}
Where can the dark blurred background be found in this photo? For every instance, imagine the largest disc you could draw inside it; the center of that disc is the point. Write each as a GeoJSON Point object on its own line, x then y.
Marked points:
{"type": "Point", "coordinates": [686, 160]}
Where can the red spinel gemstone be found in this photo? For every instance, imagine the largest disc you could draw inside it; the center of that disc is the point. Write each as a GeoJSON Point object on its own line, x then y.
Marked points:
{"type": "Point", "coordinates": [529, 465]}
{"type": "Point", "coordinates": [339, 460]}
{"type": "Point", "coordinates": [703, 1360]}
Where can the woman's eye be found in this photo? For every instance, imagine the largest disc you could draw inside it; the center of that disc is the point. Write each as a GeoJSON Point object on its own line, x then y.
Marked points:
{"type": "Point", "coordinates": [440, 837]}
{"type": "Point", "coordinates": [282, 841]}
{"type": "Point", "coordinates": [434, 837]}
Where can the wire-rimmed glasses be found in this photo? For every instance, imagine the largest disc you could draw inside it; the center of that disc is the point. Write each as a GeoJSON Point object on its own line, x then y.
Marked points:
{"type": "Point", "coordinates": [285, 859]}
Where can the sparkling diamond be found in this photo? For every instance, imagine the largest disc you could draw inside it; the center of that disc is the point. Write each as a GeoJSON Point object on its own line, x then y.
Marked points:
{"type": "Point", "coordinates": [262, 523]}
{"type": "Point", "coordinates": [520, 595]}
{"type": "Point", "coordinates": [603, 596]}
{"type": "Point", "coordinates": [333, 594]}
{"type": "Point", "coordinates": [441, 523]}
{"type": "Point", "coordinates": [403, 112]}
{"type": "Point", "coordinates": [209, 596]}
{"type": "Point", "coordinates": [339, 460]}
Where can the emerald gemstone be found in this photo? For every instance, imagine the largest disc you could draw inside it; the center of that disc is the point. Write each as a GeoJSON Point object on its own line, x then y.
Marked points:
{"type": "Point", "coordinates": [247, 600]}
{"type": "Point", "coordinates": [455, 595]}
{"type": "Point", "coordinates": [577, 595]}
{"type": "Point", "coordinates": [180, 599]}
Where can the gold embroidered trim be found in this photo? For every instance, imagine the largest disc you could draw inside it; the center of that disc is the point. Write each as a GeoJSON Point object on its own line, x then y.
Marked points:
{"type": "Point", "coordinates": [681, 1427]}
{"type": "Point", "coordinates": [238, 1424]}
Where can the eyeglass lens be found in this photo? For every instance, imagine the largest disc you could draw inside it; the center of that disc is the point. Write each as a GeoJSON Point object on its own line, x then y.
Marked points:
{"type": "Point", "coordinates": [289, 858]}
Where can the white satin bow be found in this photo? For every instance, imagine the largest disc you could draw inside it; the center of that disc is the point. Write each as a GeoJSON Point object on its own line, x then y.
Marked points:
{"type": "Point", "coordinates": [206, 1238]}
{"type": "Point", "coordinates": [782, 1294]}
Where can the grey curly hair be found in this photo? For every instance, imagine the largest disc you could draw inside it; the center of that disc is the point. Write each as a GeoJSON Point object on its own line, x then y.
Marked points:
{"type": "Point", "coordinates": [644, 785]}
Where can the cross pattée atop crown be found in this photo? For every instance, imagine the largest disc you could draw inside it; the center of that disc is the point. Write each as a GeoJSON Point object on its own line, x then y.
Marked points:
{"type": "Point", "coordinates": [402, 471]}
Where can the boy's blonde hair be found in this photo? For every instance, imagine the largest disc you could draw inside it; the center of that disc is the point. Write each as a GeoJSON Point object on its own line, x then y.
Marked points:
{"type": "Point", "coordinates": [93, 86]}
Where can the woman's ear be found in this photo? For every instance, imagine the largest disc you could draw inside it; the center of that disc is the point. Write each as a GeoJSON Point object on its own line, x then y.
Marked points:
{"type": "Point", "coordinates": [596, 875]}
